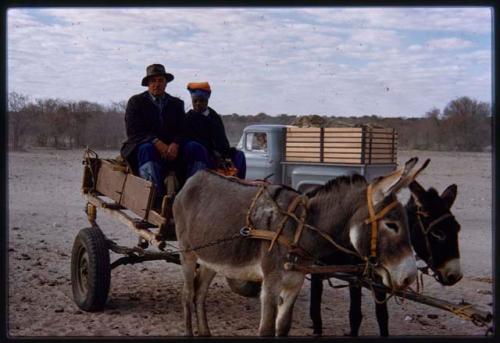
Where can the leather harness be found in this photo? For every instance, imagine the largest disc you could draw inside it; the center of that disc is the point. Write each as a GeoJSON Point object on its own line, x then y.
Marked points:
{"type": "Point", "coordinates": [426, 231]}
{"type": "Point", "coordinates": [302, 201]}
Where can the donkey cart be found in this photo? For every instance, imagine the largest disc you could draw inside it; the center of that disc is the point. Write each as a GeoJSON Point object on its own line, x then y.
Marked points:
{"type": "Point", "coordinates": [109, 185]}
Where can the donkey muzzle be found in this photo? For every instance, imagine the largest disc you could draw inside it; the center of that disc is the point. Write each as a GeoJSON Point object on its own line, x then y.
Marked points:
{"type": "Point", "coordinates": [450, 273]}
{"type": "Point", "coordinates": [399, 275]}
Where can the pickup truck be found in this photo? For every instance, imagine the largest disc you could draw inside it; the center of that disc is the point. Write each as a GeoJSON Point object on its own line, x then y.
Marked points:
{"type": "Point", "coordinates": [304, 158]}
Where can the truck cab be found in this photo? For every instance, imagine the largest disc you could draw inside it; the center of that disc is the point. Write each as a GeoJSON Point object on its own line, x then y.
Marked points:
{"type": "Point", "coordinates": [263, 149]}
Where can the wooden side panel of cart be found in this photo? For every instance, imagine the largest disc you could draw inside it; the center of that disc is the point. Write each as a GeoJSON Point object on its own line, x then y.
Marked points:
{"type": "Point", "coordinates": [113, 180]}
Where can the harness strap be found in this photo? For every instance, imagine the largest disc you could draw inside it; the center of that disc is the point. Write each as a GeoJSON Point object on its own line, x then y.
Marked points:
{"type": "Point", "coordinates": [374, 223]}
{"type": "Point", "coordinates": [437, 220]}
{"type": "Point", "coordinates": [303, 216]}
{"type": "Point", "coordinates": [272, 236]}
{"type": "Point", "coordinates": [382, 213]}
{"type": "Point", "coordinates": [425, 231]}
{"type": "Point", "coordinates": [291, 208]}
{"type": "Point", "coordinates": [252, 205]}
{"type": "Point", "coordinates": [374, 218]}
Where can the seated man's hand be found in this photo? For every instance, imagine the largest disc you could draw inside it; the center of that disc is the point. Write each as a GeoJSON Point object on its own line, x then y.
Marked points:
{"type": "Point", "coordinates": [173, 150]}
{"type": "Point", "coordinates": [162, 148]}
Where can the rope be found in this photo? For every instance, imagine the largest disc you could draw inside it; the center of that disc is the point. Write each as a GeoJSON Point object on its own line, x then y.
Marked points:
{"type": "Point", "coordinates": [209, 244]}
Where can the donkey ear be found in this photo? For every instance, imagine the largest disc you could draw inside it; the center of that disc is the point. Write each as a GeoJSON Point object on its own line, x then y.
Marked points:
{"type": "Point", "coordinates": [417, 191]}
{"type": "Point", "coordinates": [449, 195]}
{"type": "Point", "coordinates": [414, 175]}
{"type": "Point", "coordinates": [393, 182]}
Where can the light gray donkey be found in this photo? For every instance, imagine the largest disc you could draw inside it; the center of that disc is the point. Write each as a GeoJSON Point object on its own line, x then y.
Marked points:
{"type": "Point", "coordinates": [212, 208]}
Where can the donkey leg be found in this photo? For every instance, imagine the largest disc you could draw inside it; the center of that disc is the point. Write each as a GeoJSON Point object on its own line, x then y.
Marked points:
{"type": "Point", "coordinates": [269, 296]}
{"type": "Point", "coordinates": [382, 314]}
{"type": "Point", "coordinates": [315, 304]}
{"type": "Point", "coordinates": [289, 292]}
{"type": "Point", "coordinates": [204, 278]}
{"type": "Point", "coordinates": [355, 314]}
{"type": "Point", "coordinates": [188, 262]}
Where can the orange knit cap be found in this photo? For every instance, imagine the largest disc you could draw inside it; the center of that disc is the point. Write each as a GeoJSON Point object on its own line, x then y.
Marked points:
{"type": "Point", "coordinates": [204, 86]}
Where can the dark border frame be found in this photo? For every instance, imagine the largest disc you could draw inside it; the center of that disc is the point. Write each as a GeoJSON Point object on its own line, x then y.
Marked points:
{"type": "Point", "coordinates": [227, 3]}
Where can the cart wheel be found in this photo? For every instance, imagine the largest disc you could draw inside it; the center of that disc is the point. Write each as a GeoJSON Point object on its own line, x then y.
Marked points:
{"type": "Point", "coordinates": [90, 269]}
{"type": "Point", "coordinates": [249, 289]}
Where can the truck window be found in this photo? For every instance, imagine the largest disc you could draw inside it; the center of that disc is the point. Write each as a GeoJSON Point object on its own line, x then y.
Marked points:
{"type": "Point", "coordinates": [256, 142]}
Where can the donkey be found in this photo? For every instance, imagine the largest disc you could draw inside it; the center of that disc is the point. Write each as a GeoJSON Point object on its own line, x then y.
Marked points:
{"type": "Point", "coordinates": [434, 236]}
{"type": "Point", "coordinates": [210, 212]}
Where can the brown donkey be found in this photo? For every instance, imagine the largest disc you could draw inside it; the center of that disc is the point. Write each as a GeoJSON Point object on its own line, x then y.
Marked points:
{"type": "Point", "coordinates": [210, 212]}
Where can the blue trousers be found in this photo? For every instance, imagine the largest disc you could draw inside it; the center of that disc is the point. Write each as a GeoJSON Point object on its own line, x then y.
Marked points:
{"type": "Point", "coordinates": [152, 167]}
{"type": "Point", "coordinates": [196, 157]}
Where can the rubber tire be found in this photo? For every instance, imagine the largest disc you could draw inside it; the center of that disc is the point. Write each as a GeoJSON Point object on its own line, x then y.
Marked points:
{"type": "Point", "coordinates": [90, 269]}
{"type": "Point", "coordinates": [249, 289]}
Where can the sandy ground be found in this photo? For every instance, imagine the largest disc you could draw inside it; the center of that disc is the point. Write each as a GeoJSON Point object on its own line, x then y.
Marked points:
{"type": "Point", "coordinates": [46, 212]}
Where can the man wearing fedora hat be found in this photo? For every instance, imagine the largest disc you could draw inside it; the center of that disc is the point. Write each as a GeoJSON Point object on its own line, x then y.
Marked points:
{"type": "Point", "coordinates": [154, 125]}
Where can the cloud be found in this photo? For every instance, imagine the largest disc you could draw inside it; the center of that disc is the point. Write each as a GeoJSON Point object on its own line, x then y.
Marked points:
{"type": "Point", "coordinates": [415, 47]}
{"type": "Point", "coordinates": [448, 44]}
{"type": "Point", "coordinates": [332, 61]}
{"type": "Point", "coordinates": [472, 20]}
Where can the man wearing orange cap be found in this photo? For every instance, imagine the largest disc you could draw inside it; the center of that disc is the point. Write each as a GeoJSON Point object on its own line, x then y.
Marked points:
{"type": "Point", "coordinates": [207, 144]}
{"type": "Point", "coordinates": [154, 123]}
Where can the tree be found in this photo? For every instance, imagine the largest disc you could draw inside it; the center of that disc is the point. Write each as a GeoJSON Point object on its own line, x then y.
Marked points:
{"type": "Point", "coordinates": [430, 130]}
{"type": "Point", "coordinates": [433, 113]}
{"type": "Point", "coordinates": [467, 124]}
{"type": "Point", "coordinates": [80, 114]}
{"type": "Point", "coordinates": [20, 118]}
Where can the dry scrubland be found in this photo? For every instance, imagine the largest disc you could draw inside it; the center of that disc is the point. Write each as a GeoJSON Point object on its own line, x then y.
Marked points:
{"type": "Point", "coordinates": [46, 212]}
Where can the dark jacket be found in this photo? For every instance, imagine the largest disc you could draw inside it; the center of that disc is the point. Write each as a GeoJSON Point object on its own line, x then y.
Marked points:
{"type": "Point", "coordinates": [143, 124]}
{"type": "Point", "coordinates": [208, 131]}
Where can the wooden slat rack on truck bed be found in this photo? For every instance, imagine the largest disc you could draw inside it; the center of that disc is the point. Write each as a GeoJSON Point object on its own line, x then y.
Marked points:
{"type": "Point", "coordinates": [344, 145]}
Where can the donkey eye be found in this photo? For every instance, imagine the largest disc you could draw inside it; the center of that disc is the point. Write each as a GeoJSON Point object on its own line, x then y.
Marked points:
{"type": "Point", "coordinates": [392, 226]}
{"type": "Point", "coordinates": [438, 234]}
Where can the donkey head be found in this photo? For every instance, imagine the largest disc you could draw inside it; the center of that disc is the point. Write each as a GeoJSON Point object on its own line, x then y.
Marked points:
{"type": "Point", "coordinates": [380, 228]}
{"type": "Point", "coordinates": [434, 231]}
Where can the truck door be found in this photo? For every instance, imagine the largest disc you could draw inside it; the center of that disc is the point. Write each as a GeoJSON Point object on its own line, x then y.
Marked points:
{"type": "Point", "coordinates": [256, 147]}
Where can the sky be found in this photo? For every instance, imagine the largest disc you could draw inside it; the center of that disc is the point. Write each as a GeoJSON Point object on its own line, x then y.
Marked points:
{"type": "Point", "coordinates": [334, 61]}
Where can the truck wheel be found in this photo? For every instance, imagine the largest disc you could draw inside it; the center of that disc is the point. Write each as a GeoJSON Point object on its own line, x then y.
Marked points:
{"type": "Point", "coordinates": [249, 289]}
{"type": "Point", "coordinates": [90, 269]}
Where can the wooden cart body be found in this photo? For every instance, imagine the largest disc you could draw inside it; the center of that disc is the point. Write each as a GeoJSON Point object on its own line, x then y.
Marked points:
{"type": "Point", "coordinates": [109, 185]}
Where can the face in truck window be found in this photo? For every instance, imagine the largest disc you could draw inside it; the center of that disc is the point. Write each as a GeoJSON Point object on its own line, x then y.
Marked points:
{"type": "Point", "coordinates": [257, 141]}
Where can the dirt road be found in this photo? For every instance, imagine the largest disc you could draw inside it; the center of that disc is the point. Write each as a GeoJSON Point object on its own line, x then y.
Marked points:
{"type": "Point", "coordinates": [46, 212]}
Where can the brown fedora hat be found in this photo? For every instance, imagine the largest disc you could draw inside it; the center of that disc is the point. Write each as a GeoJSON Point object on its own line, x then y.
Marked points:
{"type": "Point", "coordinates": [155, 70]}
